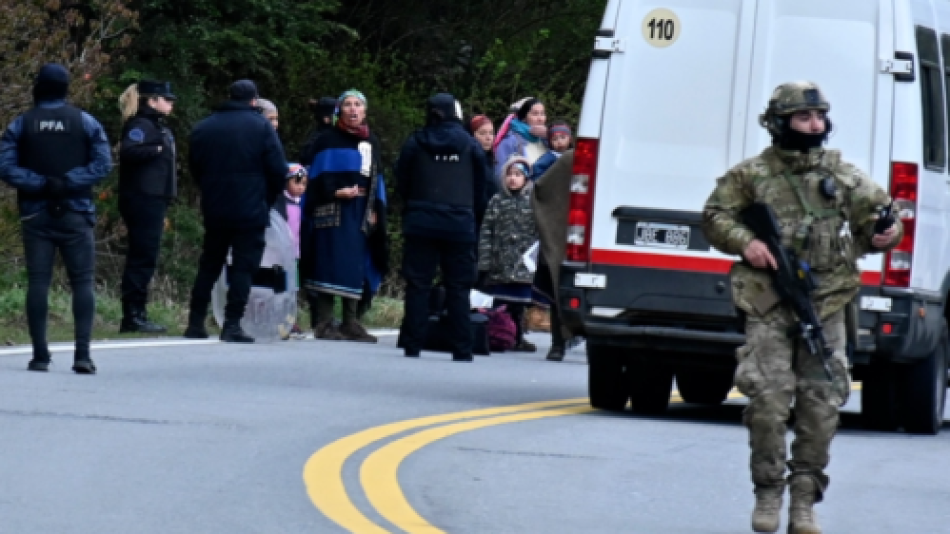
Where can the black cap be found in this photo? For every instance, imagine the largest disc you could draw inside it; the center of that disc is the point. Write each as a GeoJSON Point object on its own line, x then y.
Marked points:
{"type": "Point", "coordinates": [52, 82]}
{"type": "Point", "coordinates": [243, 91]}
{"type": "Point", "coordinates": [442, 107]}
{"type": "Point", "coordinates": [153, 88]}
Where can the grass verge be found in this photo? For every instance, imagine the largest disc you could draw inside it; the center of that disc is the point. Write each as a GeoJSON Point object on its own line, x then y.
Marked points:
{"type": "Point", "coordinates": [386, 313]}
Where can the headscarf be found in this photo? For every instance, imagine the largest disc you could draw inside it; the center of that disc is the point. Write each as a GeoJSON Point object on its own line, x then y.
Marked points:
{"type": "Point", "coordinates": [525, 108]}
{"type": "Point", "coordinates": [361, 131]}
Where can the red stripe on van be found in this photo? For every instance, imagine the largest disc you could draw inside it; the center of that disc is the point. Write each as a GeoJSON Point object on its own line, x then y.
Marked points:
{"type": "Point", "coordinates": [686, 263]}
{"type": "Point", "coordinates": [661, 261]}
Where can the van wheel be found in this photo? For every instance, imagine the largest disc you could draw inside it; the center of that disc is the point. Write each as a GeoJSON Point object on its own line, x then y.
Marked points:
{"type": "Point", "coordinates": [607, 378]}
{"type": "Point", "coordinates": [879, 397]}
{"type": "Point", "coordinates": [925, 391]}
{"type": "Point", "coordinates": [651, 384]}
{"type": "Point", "coordinates": [709, 387]}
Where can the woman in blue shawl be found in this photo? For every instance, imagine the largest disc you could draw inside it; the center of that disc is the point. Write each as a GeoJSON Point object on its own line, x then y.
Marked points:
{"type": "Point", "coordinates": [343, 235]}
{"type": "Point", "coordinates": [524, 133]}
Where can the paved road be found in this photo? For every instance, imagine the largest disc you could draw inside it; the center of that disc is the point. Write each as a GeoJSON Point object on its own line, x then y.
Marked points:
{"type": "Point", "coordinates": [224, 439]}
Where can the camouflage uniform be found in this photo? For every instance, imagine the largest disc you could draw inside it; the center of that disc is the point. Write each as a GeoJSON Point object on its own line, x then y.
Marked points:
{"type": "Point", "coordinates": [830, 234]}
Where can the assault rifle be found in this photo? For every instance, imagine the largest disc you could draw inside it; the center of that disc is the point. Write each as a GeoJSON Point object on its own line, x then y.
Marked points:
{"type": "Point", "coordinates": [793, 281]}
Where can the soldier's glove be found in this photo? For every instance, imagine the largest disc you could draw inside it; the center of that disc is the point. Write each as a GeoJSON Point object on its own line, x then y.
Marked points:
{"type": "Point", "coordinates": [55, 187]}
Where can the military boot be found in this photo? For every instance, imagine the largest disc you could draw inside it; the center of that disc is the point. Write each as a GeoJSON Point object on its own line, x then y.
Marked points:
{"type": "Point", "coordinates": [801, 514]}
{"type": "Point", "coordinates": [768, 507]}
{"type": "Point", "coordinates": [41, 360]}
{"type": "Point", "coordinates": [135, 321]}
{"type": "Point", "coordinates": [82, 363]}
{"type": "Point", "coordinates": [196, 323]}
{"type": "Point", "coordinates": [232, 332]}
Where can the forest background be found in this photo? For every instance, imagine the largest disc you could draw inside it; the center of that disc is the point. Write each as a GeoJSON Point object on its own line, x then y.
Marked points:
{"type": "Point", "coordinates": [487, 53]}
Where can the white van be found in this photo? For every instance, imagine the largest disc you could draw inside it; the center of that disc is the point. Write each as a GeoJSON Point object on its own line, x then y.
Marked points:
{"type": "Point", "coordinates": [673, 98]}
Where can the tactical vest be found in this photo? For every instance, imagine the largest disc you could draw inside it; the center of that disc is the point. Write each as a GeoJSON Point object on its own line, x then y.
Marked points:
{"type": "Point", "coordinates": [814, 224]}
{"type": "Point", "coordinates": [444, 178]}
{"type": "Point", "coordinates": [53, 142]}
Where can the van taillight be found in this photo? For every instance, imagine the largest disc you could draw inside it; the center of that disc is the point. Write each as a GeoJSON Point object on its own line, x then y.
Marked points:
{"type": "Point", "coordinates": [582, 200]}
{"type": "Point", "coordinates": [898, 261]}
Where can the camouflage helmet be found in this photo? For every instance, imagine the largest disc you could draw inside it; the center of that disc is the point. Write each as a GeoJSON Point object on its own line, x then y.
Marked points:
{"type": "Point", "coordinates": [790, 98]}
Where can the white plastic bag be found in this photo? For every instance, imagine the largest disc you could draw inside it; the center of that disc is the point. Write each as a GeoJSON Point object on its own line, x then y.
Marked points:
{"type": "Point", "coordinates": [268, 316]}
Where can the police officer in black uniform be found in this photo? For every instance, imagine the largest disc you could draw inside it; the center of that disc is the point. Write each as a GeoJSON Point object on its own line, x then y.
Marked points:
{"type": "Point", "coordinates": [148, 182]}
{"type": "Point", "coordinates": [53, 155]}
{"type": "Point", "coordinates": [441, 177]}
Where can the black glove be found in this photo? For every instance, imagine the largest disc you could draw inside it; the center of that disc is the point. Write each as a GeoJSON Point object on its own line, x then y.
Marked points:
{"type": "Point", "coordinates": [55, 186]}
{"type": "Point", "coordinates": [885, 219]}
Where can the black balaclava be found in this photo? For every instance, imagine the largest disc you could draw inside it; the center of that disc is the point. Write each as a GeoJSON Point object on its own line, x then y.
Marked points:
{"type": "Point", "coordinates": [526, 108]}
{"type": "Point", "coordinates": [793, 140]}
{"type": "Point", "coordinates": [441, 108]}
{"type": "Point", "coordinates": [52, 83]}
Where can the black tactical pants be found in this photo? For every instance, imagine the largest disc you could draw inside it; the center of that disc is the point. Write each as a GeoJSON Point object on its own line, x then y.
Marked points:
{"type": "Point", "coordinates": [72, 235]}
{"type": "Point", "coordinates": [144, 217]}
{"type": "Point", "coordinates": [421, 256]}
{"type": "Point", "coordinates": [247, 250]}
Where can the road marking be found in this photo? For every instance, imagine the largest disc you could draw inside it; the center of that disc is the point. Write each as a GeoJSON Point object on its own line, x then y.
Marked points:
{"type": "Point", "coordinates": [379, 472]}
{"type": "Point", "coordinates": [323, 473]}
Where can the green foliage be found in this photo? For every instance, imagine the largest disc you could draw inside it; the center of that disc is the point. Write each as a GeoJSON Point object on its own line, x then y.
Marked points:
{"type": "Point", "coordinates": [487, 53]}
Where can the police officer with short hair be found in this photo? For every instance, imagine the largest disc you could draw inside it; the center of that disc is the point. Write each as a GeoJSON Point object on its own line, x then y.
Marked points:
{"type": "Point", "coordinates": [441, 176]}
{"type": "Point", "coordinates": [238, 161]}
{"type": "Point", "coordinates": [148, 182]}
{"type": "Point", "coordinates": [53, 155]}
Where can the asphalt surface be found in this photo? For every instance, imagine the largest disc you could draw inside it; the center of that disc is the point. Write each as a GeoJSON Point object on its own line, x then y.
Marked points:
{"type": "Point", "coordinates": [214, 439]}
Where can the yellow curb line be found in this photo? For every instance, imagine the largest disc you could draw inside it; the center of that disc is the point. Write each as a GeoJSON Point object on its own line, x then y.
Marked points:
{"type": "Point", "coordinates": [379, 472]}
{"type": "Point", "coordinates": [323, 472]}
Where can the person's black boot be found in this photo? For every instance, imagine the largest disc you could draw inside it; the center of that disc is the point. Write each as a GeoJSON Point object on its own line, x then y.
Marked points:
{"type": "Point", "coordinates": [233, 333]}
{"type": "Point", "coordinates": [40, 362]}
{"type": "Point", "coordinates": [196, 325]}
{"type": "Point", "coordinates": [82, 364]}
{"type": "Point", "coordinates": [135, 321]}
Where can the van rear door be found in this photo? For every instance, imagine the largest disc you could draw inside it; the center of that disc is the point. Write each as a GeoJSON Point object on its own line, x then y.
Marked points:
{"type": "Point", "coordinates": [839, 45]}
{"type": "Point", "coordinates": [675, 118]}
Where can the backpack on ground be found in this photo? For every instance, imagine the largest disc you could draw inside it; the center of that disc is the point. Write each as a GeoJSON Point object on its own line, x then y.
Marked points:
{"type": "Point", "coordinates": [502, 332]}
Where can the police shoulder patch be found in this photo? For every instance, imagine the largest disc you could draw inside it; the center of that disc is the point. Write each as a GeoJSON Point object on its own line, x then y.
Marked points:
{"type": "Point", "coordinates": [137, 135]}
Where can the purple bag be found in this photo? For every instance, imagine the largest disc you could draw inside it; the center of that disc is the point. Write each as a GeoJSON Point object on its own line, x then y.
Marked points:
{"type": "Point", "coordinates": [502, 333]}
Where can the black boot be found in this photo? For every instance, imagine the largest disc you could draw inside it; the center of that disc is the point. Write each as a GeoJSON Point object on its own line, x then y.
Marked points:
{"type": "Point", "coordinates": [196, 323]}
{"type": "Point", "coordinates": [233, 333]}
{"type": "Point", "coordinates": [82, 363]}
{"type": "Point", "coordinates": [40, 362]}
{"type": "Point", "coordinates": [135, 321]}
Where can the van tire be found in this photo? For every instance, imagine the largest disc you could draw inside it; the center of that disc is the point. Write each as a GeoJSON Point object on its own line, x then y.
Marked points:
{"type": "Point", "coordinates": [607, 377]}
{"type": "Point", "coordinates": [651, 385]}
{"type": "Point", "coordinates": [709, 387]}
{"type": "Point", "coordinates": [924, 391]}
{"type": "Point", "coordinates": [879, 397]}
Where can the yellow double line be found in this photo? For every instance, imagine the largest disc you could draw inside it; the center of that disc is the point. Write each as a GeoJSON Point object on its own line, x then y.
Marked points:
{"type": "Point", "coordinates": [323, 473]}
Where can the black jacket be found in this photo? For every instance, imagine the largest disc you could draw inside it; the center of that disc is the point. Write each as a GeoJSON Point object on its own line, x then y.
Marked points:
{"type": "Point", "coordinates": [239, 164]}
{"type": "Point", "coordinates": [438, 220]}
{"type": "Point", "coordinates": [147, 156]}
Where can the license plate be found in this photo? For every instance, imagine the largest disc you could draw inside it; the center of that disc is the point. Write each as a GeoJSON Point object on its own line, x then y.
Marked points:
{"type": "Point", "coordinates": [588, 280]}
{"type": "Point", "coordinates": [650, 234]}
{"type": "Point", "coordinates": [876, 304]}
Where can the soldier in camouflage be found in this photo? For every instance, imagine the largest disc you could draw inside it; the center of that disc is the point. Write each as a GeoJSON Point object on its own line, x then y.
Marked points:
{"type": "Point", "coordinates": [827, 209]}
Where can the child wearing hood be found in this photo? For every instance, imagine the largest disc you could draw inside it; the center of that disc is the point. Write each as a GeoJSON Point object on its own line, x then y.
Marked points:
{"type": "Point", "coordinates": [508, 231]}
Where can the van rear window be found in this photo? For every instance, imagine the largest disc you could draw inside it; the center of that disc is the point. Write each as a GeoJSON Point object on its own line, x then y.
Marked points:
{"type": "Point", "coordinates": [932, 95]}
